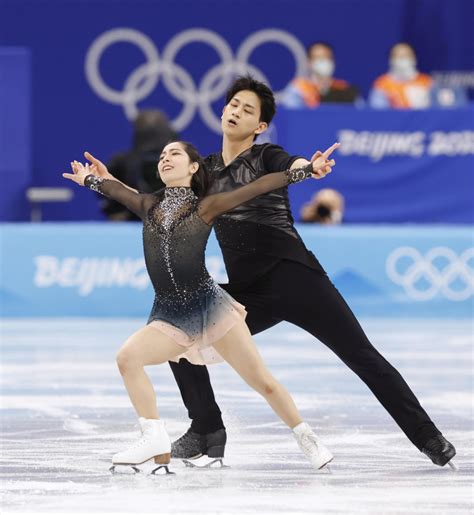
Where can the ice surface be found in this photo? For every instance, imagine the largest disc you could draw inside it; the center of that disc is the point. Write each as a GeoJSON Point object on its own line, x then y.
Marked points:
{"type": "Point", "coordinates": [65, 412]}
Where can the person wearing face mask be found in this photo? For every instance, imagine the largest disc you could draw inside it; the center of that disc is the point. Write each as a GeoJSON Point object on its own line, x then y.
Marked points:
{"type": "Point", "coordinates": [403, 87]}
{"type": "Point", "coordinates": [319, 86]}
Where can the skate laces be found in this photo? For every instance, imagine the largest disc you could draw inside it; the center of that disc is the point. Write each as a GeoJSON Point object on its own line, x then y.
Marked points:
{"type": "Point", "coordinates": [437, 444]}
{"type": "Point", "coordinates": [140, 442]}
{"type": "Point", "coordinates": [147, 433]}
{"type": "Point", "coordinates": [309, 442]}
{"type": "Point", "coordinates": [189, 436]}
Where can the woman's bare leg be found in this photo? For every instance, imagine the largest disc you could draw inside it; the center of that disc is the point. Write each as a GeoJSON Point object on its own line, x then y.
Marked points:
{"type": "Point", "coordinates": [148, 346]}
{"type": "Point", "coordinates": [238, 349]}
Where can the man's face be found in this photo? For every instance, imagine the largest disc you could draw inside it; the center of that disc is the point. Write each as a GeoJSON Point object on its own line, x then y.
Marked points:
{"type": "Point", "coordinates": [403, 62]}
{"type": "Point", "coordinates": [321, 60]}
{"type": "Point", "coordinates": [241, 116]}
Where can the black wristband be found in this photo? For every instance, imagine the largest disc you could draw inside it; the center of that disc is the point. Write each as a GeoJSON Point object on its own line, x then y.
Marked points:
{"type": "Point", "coordinates": [94, 183]}
{"type": "Point", "coordinates": [299, 174]}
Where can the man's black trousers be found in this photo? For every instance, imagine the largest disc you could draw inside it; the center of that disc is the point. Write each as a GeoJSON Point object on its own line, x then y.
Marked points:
{"type": "Point", "coordinates": [307, 298]}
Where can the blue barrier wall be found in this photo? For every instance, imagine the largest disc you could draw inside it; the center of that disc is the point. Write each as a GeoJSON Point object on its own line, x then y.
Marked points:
{"type": "Point", "coordinates": [98, 269]}
{"type": "Point", "coordinates": [15, 132]}
{"type": "Point", "coordinates": [395, 166]}
{"type": "Point", "coordinates": [90, 72]}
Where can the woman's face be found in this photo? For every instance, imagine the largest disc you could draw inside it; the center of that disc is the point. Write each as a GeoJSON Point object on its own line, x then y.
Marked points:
{"type": "Point", "coordinates": [175, 167]}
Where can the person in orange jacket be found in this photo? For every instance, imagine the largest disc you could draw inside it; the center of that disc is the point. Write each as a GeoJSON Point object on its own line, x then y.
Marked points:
{"type": "Point", "coordinates": [403, 86]}
{"type": "Point", "coordinates": [319, 86]}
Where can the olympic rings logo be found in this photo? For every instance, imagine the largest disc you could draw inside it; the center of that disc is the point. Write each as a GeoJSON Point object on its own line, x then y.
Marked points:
{"type": "Point", "coordinates": [439, 271]}
{"type": "Point", "coordinates": [176, 79]}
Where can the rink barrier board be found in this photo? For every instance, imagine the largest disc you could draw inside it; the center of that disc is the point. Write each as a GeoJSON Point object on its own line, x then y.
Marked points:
{"type": "Point", "coordinates": [97, 269]}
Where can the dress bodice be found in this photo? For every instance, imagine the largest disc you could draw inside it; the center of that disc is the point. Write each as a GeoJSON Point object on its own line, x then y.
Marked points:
{"type": "Point", "coordinates": [174, 239]}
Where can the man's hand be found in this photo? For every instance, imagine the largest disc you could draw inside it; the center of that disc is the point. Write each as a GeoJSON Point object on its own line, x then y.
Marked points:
{"type": "Point", "coordinates": [98, 168]}
{"type": "Point", "coordinates": [322, 165]}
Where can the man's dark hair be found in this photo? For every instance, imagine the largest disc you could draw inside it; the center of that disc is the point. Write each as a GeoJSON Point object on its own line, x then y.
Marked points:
{"type": "Point", "coordinates": [264, 93]}
{"type": "Point", "coordinates": [319, 43]}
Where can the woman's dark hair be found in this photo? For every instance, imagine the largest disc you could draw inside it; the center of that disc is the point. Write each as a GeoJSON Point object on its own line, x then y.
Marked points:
{"type": "Point", "coordinates": [201, 180]}
{"type": "Point", "coordinates": [264, 93]}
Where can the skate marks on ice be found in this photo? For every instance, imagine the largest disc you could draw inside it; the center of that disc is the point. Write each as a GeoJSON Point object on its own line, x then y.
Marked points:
{"type": "Point", "coordinates": [65, 413]}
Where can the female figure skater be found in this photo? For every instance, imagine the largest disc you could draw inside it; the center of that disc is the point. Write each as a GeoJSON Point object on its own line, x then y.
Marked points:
{"type": "Point", "coordinates": [192, 317]}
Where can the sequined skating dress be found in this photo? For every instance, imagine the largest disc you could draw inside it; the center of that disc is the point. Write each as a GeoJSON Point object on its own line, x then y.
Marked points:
{"type": "Point", "coordinates": [189, 305]}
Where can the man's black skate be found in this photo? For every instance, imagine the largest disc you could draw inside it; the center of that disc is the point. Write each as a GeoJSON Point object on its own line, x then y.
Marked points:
{"type": "Point", "coordinates": [215, 443]}
{"type": "Point", "coordinates": [192, 446]}
{"type": "Point", "coordinates": [440, 451]}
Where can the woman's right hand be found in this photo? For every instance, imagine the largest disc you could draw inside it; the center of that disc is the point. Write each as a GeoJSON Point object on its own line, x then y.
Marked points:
{"type": "Point", "coordinates": [80, 172]}
{"type": "Point", "coordinates": [98, 168]}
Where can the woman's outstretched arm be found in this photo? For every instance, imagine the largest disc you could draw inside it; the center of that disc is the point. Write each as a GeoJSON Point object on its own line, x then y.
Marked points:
{"type": "Point", "coordinates": [215, 205]}
{"type": "Point", "coordinates": [83, 175]}
{"type": "Point", "coordinates": [98, 168]}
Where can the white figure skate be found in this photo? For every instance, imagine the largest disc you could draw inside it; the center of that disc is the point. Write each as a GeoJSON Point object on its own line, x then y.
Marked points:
{"type": "Point", "coordinates": [309, 443]}
{"type": "Point", "coordinates": [154, 443]}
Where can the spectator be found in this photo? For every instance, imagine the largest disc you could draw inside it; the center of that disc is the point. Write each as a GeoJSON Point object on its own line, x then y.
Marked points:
{"type": "Point", "coordinates": [319, 86]}
{"type": "Point", "coordinates": [404, 87]}
{"type": "Point", "coordinates": [138, 167]}
{"type": "Point", "coordinates": [326, 207]}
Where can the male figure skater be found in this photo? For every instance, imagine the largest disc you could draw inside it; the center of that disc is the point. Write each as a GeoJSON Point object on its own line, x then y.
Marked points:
{"type": "Point", "coordinates": [271, 272]}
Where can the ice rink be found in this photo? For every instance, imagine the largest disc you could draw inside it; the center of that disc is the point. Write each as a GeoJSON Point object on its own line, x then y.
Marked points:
{"type": "Point", "coordinates": [65, 412]}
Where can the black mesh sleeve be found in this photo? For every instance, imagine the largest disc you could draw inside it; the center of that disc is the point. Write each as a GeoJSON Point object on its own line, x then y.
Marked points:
{"type": "Point", "coordinates": [214, 205]}
{"type": "Point", "coordinates": [138, 203]}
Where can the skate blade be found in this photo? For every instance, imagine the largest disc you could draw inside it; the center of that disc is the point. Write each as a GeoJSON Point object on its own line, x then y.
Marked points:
{"type": "Point", "coordinates": [326, 467]}
{"type": "Point", "coordinates": [162, 470]}
{"type": "Point", "coordinates": [453, 466]}
{"type": "Point", "coordinates": [124, 469]}
{"type": "Point", "coordinates": [206, 463]}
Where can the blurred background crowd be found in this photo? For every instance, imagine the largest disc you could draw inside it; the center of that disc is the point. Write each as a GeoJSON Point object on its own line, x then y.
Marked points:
{"type": "Point", "coordinates": [403, 86]}
{"type": "Point", "coordinates": [389, 57]}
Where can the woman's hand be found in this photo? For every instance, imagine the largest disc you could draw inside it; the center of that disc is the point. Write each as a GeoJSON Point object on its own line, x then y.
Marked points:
{"type": "Point", "coordinates": [80, 172]}
{"type": "Point", "coordinates": [98, 168]}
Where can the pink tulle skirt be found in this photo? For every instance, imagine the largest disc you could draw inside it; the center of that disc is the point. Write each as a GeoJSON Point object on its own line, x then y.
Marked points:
{"type": "Point", "coordinates": [199, 350]}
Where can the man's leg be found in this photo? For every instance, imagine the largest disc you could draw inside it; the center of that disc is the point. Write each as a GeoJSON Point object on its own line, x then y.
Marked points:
{"type": "Point", "coordinates": [309, 300]}
{"type": "Point", "coordinates": [194, 382]}
{"type": "Point", "coordinates": [196, 391]}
